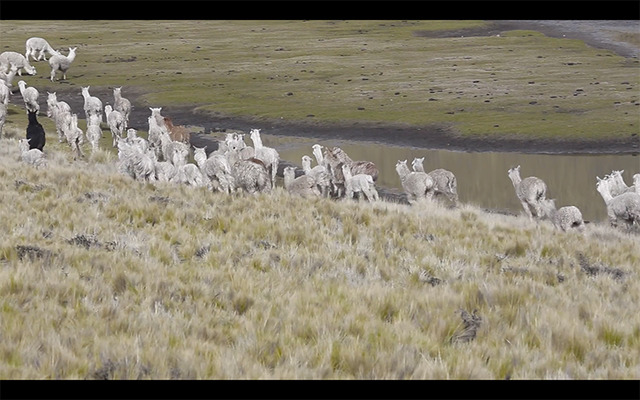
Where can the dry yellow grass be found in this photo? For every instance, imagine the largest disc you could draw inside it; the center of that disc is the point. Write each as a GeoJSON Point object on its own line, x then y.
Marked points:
{"type": "Point", "coordinates": [102, 277]}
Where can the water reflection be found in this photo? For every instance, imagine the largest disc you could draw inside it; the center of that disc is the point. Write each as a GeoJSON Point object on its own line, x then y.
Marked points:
{"type": "Point", "coordinates": [482, 177]}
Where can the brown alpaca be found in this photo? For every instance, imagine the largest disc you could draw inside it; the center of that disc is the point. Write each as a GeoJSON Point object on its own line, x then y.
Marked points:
{"type": "Point", "coordinates": [177, 133]}
{"type": "Point", "coordinates": [357, 167]}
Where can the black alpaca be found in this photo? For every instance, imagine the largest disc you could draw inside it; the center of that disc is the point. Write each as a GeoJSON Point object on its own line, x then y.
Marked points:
{"type": "Point", "coordinates": [35, 132]}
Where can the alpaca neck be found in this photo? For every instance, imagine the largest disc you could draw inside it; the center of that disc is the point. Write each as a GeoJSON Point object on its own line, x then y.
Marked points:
{"type": "Point", "coordinates": [403, 171]}
{"type": "Point", "coordinates": [257, 141]}
{"type": "Point", "coordinates": [306, 166]}
{"type": "Point", "coordinates": [319, 157]}
{"type": "Point", "coordinates": [346, 173]}
{"type": "Point", "coordinates": [515, 179]}
{"type": "Point", "coordinates": [199, 158]}
{"type": "Point", "coordinates": [605, 193]}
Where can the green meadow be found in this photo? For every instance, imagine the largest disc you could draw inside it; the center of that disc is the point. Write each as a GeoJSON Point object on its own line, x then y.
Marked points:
{"type": "Point", "coordinates": [518, 84]}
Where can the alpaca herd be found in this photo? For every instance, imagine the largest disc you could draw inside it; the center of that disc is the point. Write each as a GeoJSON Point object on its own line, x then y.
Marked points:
{"type": "Point", "coordinates": [236, 167]}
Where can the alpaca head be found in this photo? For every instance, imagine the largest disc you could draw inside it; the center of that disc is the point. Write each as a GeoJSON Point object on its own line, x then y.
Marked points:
{"type": "Point", "coordinates": [85, 91]}
{"type": "Point", "coordinates": [31, 70]}
{"type": "Point", "coordinates": [199, 153]}
{"type": "Point", "coordinates": [401, 167]}
{"type": "Point", "coordinates": [108, 109]}
{"type": "Point", "coordinates": [514, 173]}
{"type": "Point", "coordinates": [254, 134]}
{"type": "Point", "coordinates": [306, 160]}
{"type": "Point", "coordinates": [417, 163]}
{"type": "Point", "coordinates": [131, 133]}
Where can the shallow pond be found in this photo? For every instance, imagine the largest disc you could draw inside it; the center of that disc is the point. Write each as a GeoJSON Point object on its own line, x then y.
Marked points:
{"type": "Point", "coordinates": [482, 177]}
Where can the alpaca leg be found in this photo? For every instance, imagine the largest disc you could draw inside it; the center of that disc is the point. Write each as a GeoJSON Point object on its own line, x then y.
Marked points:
{"type": "Point", "coordinates": [527, 211]}
{"type": "Point", "coordinates": [348, 194]}
{"type": "Point", "coordinates": [53, 75]}
{"type": "Point", "coordinates": [374, 192]}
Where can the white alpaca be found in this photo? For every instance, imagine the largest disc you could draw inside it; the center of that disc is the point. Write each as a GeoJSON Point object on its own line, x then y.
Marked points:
{"type": "Point", "coordinates": [319, 173]}
{"type": "Point", "coordinates": [38, 45]}
{"type": "Point", "coordinates": [92, 104]}
{"type": "Point", "coordinates": [165, 171]}
{"type": "Point", "coordinates": [33, 157]}
{"type": "Point", "coordinates": [11, 57]}
{"type": "Point", "coordinates": [617, 185]}
{"type": "Point", "coordinates": [564, 218]}
{"type": "Point", "coordinates": [269, 156]}
{"type": "Point", "coordinates": [235, 142]}
{"type": "Point", "coordinates": [121, 104]}
{"type": "Point", "coordinates": [417, 185]}
{"type": "Point", "coordinates": [445, 181]}
{"type": "Point", "coordinates": [178, 154]}
{"type": "Point", "coordinates": [636, 183]}
{"type": "Point", "coordinates": [216, 168]}
{"type": "Point", "coordinates": [625, 207]}
{"type": "Point", "coordinates": [190, 175]}
{"type": "Point", "coordinates": [157, 128]}
{"type": "Point", "coordinates": [360, 184]}
{"type": "Point", "coordinates": [7, 77]}
{"type": "Point", "coordinates": [60, 62]}
{"type": "Point", "coordinates": [116, 123]}
{"type": "Point", "coordinates": [57, 110]}
{"type": "Point", "coordinates": [303, 185]}
{"type": "Point", "coordinates": [137, 164]}
{"type": "Point", "coordinates": [249, 175]}
{"type": "Point", "coordinates": [73, 134]}
{"type": "Point", "coordinates": [93, 133]}
{"type": "Point", "coordinates": [133, 139]}
{"type": "Point", "coordinates": [530, 191]}
{"type": "Point", "coordinates": [30, 96]}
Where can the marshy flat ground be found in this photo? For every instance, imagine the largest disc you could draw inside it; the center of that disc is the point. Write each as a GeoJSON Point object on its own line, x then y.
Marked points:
{"type": "Point", "coordinates": [102, 277]}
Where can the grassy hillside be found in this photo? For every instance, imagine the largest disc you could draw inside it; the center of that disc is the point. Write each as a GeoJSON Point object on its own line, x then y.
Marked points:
{"type": "Point", "coordinates": [102, 277]}
{"type": "Point", "coordinates": [519, 84]}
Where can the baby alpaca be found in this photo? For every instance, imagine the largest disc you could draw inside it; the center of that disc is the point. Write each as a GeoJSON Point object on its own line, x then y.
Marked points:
{"type": "Point", "coordinates": [565, 218]}
{"type": "Point", "coordinates": [116, 123]}
{"type": "Point", "coordinates": [92, 104]}
{"type": "Point", "coordinates": [625, 207]}
{"type": "Point", "coordinates": [268, 155]}
{"type": "Point", "coordinates": [529, 191]}
{"type": "Point", "coordinates": [33, 157]}
{"type": "Point", "coordinates": [360, 184]}
{"type": "Point", "coordinates": [303, 185]}
{"type": "Point", "coordinates": [445, 181]}
{"type": "Point", "coordinates": [29, 96]}
{"type": "Point", "coordinates": [121, 105]}
{"type": "Point", "coordinates": [57, 110]}
{"type": "Point", "coordinates": [417, 185]}
{"type": "Point", "coordinates": [319, 173]}
{"type": "Point", "coordinates": [93, 132]}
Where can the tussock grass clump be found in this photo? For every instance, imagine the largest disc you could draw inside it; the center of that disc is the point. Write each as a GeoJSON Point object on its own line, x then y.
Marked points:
{"type": "Point", "coordinates": [97, 272]}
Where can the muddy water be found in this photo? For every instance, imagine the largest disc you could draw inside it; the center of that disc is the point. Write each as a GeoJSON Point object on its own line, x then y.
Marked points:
{"type": "Point", "coordinates": [482, 177]}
